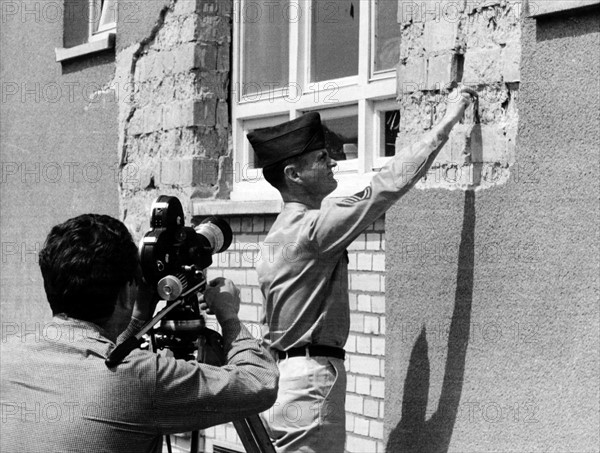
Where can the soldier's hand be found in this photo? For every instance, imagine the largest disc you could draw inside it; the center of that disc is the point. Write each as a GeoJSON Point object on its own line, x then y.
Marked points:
{"type": "Point", "coordinates": [222, 298]}
{"type": "Point", "coordinates": [458, 100]}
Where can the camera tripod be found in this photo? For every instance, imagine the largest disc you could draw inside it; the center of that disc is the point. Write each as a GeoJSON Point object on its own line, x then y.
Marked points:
{"type": "Point", "coordinates": [185, 333]}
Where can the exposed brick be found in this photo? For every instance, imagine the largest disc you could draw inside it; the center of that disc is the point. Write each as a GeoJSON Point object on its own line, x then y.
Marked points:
{"type": "Point", "coordinates": [373, 241]}
{"type": "Point", "coordinates": [381, 409]}
{"type": "Point", "coordinates": [371, 407]}
{"type": "Point", "coordinates": [353, 300]}
{"type": "Point", "coordinates": [364, 282]}
{"type": "Point", "coordinates": [358, 243]}
{"type": "Point", "coordinates": [379, 262]}
{"type": "Point", "coordinates": [361, 426]}
{"type": "Point", "coordinates": [378, 304]}
{"type": "Point", "coordinates": [364, 302]}
{"type": "Point", "coordinates": [349, 422]}
{"type": "Point", "coordinates": [364, 365]}
{"type": "Point", "coordinates": [363, 385]}
{"type": "Point", "coordinates": [351, 343]}
{"type": "Point", "coordinates": [371, 324]}
{"type": "Point", "coordinates": [377, 346]}
{"type": "Point", "coordinates": [248, 312]}
{"type": "Point", "coordinates": [350, 383]}
{"type": "Point", "coordinates": [252, 277]}
{"type": "Point", "coordinates": [377, 388]}
{"type": "Point", "coordinates": [364, 261]}
{"type": "Point", "coordinates": [363, 345]}
{"type": "Point", "coordinates": [238, 276]}
{"type": "Point", "coordinates": [376, 429]}
{"type": "Point", "coordinates": [352, 261]}
{"type": "Point", "coordinates": [382, 325]}
{"type": "Point", "coordinates": [354, 403]}
{"type": "Point", "coordinates": [357, 322]}
{"type": "Point", "coordinates": [355, 444]}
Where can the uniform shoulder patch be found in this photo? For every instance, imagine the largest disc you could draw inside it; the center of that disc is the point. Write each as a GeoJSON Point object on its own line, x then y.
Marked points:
{"type": "Point", "coordinates": [357, 197]}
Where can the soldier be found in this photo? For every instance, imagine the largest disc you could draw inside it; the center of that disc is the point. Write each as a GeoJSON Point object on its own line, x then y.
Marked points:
{"type": "Point", "coordinates": [304, 278]}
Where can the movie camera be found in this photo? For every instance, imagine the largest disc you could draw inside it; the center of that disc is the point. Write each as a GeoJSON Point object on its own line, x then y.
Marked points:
{"type": "Point", "coordinates": [174, 259]}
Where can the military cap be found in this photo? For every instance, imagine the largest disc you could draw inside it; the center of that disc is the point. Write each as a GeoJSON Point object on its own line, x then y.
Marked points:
{"type": "Point", "coordinates": [292, 138]}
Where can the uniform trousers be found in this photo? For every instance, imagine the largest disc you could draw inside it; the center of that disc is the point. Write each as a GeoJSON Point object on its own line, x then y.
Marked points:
{"type": "Point", "coordinates": [309, 415]}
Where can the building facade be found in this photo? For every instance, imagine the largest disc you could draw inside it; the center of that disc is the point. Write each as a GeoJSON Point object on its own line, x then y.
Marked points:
{"type": "Point", "coordinates": [475, 319]}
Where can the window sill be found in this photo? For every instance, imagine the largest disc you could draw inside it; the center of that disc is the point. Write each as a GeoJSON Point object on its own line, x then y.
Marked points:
{"type": "Point", "coordinates": [551, 7]}
{"type": "Point", "coordinates": [105, 43]}
{"type": "Point", "coordinates": [204, 208]}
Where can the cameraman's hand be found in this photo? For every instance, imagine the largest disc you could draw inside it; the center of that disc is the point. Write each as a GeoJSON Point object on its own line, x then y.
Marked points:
{"type": "Point", "coordinates": [146, 299]}
{"type": "Point", "coordinates": [223, 299]}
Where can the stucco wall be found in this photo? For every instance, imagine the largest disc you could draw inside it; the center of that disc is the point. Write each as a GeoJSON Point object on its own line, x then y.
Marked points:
{"type": "Point", "coordinates": [58, 154]}
{"type": "Point", "coordinates": [492, 296]}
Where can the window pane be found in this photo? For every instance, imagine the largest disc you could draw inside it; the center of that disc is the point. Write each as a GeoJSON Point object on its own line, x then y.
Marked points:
{"type": "Point", "coordinates": [105, 15]}
{"type": "Point", "coordinates": [334, 39]}
{"type": "Point", "coordinates": [391, 126]}
{"type": "Point", "coordinates": [341, 137]}
{"type": "Point", "coordinates": [387, 36]}
{"type": "Point", "coordinates": [265, 59]}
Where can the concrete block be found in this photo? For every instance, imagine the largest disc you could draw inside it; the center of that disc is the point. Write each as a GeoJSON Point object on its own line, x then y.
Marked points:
{"type": "Point", "coordinates": [511, 62]}
{"type": "Point", "coordinates": [184, 58]}
{"type": "Point", "coordinates": [441, 70]}
{"type": "Point", "coordinates": [357, 322]}
{"type": "Point", "coordinates": [206, 57]}
{"type": "Point", "coordinates": [373, 241]}
{"type": "Point", "coordinates": [364, 261]}
{"type": "Point", "coordinates": [169, 172]}
{"type": "Point", "coordinates": [411, 75]}
{"type": "Point", "coordinates": [204, 112]}
{"type": "Point", "coordinates": [188, 28]}
{"type": "Point", "coordinates": [379, 263]}
{"type": "Point", "coordinates": [441, 34]}
{"type": "Point", "coordinates": [488, 144]}
{"type": "Point", "coordinates": [185, 7]}
{"type": "Point", "coordinates": [483, 66]}
{"type": "Point", "coordinates": [152, 118]}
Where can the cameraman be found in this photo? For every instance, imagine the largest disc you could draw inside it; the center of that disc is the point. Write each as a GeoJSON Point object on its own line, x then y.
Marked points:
{"type": "Point", "coordinates": [57, 393]}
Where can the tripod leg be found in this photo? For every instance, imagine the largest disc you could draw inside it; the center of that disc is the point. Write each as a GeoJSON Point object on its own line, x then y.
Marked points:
{"type": "Point", "coordinates": [253, 435]}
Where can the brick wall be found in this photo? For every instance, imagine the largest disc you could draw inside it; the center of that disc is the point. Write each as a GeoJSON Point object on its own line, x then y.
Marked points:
{"type": "Point", "coordinates": [365, 360]}
{"type": "Point", "coordinates": [475, 42]}
{"type": "Point", "coordinates": [173, 108]}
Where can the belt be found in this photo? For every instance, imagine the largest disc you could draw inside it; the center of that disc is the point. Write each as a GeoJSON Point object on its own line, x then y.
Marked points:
{"type": "Point", "coordinates": [313, 350]}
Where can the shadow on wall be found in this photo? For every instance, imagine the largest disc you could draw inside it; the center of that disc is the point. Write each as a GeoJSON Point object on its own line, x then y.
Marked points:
{"type": "Point", "coordinates": [415, 434]}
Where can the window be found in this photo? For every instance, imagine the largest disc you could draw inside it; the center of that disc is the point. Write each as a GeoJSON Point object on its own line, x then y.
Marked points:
{"type": "Point", "coordinates": [103, 17]}
{"type": "Point", "coordinates": [337, 57]}
{"type": "Point", "coordinates": [89, 26]}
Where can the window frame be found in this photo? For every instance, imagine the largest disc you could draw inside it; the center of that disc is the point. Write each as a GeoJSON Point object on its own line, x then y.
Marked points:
{"type": "Point", "coordinates": [97, 34]}
{"type": "Point", "coordinates": [368, 92]}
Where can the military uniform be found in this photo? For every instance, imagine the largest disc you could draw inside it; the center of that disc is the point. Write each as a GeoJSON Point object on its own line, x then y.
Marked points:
{"type": "Point", "coordinates": [303, 276]}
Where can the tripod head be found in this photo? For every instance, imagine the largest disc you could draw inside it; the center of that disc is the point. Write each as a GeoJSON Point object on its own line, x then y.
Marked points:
{"type": "Point", "coordinates": [174, 259]}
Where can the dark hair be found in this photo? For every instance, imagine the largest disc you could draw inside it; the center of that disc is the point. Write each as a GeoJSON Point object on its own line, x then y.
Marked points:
{"type": "Point", "coordinates": [85, 262]}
